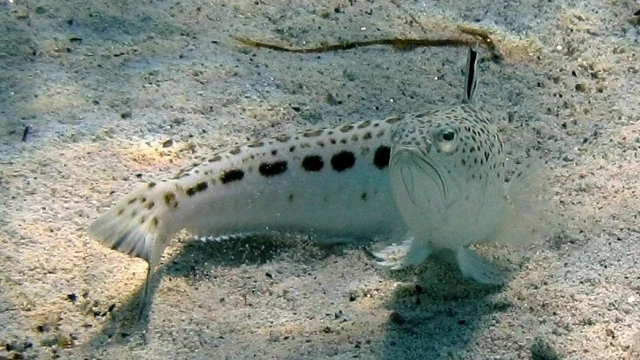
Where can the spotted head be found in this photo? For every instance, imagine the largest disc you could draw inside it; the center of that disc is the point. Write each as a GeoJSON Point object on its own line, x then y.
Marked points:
{"type": "Point", "coordinates": [447, 172]}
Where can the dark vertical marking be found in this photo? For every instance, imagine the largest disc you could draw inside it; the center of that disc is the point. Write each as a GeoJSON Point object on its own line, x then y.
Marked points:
{"type": "Point", "coordinates": [471, 81]}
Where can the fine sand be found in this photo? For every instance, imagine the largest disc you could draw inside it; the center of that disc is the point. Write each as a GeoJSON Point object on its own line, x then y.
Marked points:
{"type": "Point", "coordinates": [115, 93]}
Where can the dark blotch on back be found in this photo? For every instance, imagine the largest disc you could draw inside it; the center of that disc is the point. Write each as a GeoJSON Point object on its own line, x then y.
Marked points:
{"type": "Point", "coordinates": [272, 169]}
{"type": "Point", "coordinates": [312, 163]}
{"type": "Point", "coordinates": [381, 157]}
{"type": "Point", "coordinates": [231, 175]}
{"type": "Point", "coordinates": [343, 161]}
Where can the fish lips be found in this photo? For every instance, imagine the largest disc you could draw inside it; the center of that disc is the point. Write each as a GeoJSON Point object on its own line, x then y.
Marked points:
{"type": "Point", "coordinates": [418, 173]}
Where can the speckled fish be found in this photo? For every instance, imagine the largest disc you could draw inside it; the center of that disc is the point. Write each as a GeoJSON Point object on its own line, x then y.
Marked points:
{"type": "Point", "coordinates": [439, 174]}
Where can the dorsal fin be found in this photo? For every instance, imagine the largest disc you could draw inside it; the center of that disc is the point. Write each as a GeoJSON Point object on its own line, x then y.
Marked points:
{"type": "Point", "coordinates": [471, 79]}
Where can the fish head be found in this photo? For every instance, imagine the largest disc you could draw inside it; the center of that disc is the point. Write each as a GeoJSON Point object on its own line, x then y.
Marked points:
{"type": "Point", "coordinates": [447, 172]}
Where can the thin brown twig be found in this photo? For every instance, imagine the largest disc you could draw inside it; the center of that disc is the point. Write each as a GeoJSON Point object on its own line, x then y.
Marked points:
{"type": "Point", "coordinates": [397, 43]}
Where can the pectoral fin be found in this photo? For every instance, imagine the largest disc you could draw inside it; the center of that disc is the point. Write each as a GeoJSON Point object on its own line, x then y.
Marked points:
{"type": "Point", "coordinates": [410, 252]}
{"type": "Point", "coordinates": [475, 267]}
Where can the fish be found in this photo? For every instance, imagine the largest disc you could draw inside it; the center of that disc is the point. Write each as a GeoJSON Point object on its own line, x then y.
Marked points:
{"type": "Point", "coordinates": [448, 171]}
{"type": "Point", "coordinates": [433, 181]}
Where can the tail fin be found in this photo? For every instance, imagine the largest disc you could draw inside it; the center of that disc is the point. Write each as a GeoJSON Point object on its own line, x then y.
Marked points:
{"type": "Point", "coordinates": [140, 225]}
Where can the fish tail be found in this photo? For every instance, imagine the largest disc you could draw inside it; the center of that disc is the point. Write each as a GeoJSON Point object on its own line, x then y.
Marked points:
{"type": "Point", "coordinates": [141, 224]}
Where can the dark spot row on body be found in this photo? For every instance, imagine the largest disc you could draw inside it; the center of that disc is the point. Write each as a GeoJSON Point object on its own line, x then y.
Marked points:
{"type": "Point", "coordinates": [312, 163]}
{"type": "Point", "coordinates": [201, 186]}
{"type": "Point", "coordinates": [343, 161]}
{"type": "Point", "coordinates": [364, 124]}
{"type": "Point", "coordinates": [283, 138]}
{"type": "Point", "coordinates": [255, 144]}
{"type": "Point", "coordinates": [382, 156]}
{"type": "Point", "coordinates": [346, 128]}
{"type": "Point", "coordinates": [231, 175]}
{"type": "Point", "coordinates": [170, 200]}
{"type": "Point", "coordinates": [235, 151]}
{"type": "Point", "coordinates": [393, 119]}
{"type": "Point", "coordinates": [312, 133]}
{"type": "Point", "coordinates": [272, 169]}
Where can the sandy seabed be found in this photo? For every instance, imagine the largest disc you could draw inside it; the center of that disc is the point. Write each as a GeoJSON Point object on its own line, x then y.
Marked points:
{"type": "Point", "coordinates": [115, 93]}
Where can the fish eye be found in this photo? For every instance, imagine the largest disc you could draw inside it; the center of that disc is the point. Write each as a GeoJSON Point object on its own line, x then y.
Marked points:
{"type": "Point", "coordinates": [446, 141]}
{"type": "Point", "coordinates": [448, 135]}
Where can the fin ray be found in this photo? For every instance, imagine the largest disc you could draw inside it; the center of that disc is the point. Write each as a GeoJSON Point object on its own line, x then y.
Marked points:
{"type": "Point", "coordinates": [137, 226]}
{"type": "Point", "coordinates": [473, 266]}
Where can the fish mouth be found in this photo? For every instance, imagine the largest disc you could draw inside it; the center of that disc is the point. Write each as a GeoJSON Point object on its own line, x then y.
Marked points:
{"type": "Point", "coordinates": [413, 165]}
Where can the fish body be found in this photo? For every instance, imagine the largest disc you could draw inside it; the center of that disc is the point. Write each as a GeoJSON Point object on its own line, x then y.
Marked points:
{"type": "Point", "coordinates": [331, 182]}
{"type": "Point", "coordinates": [433, 179]}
